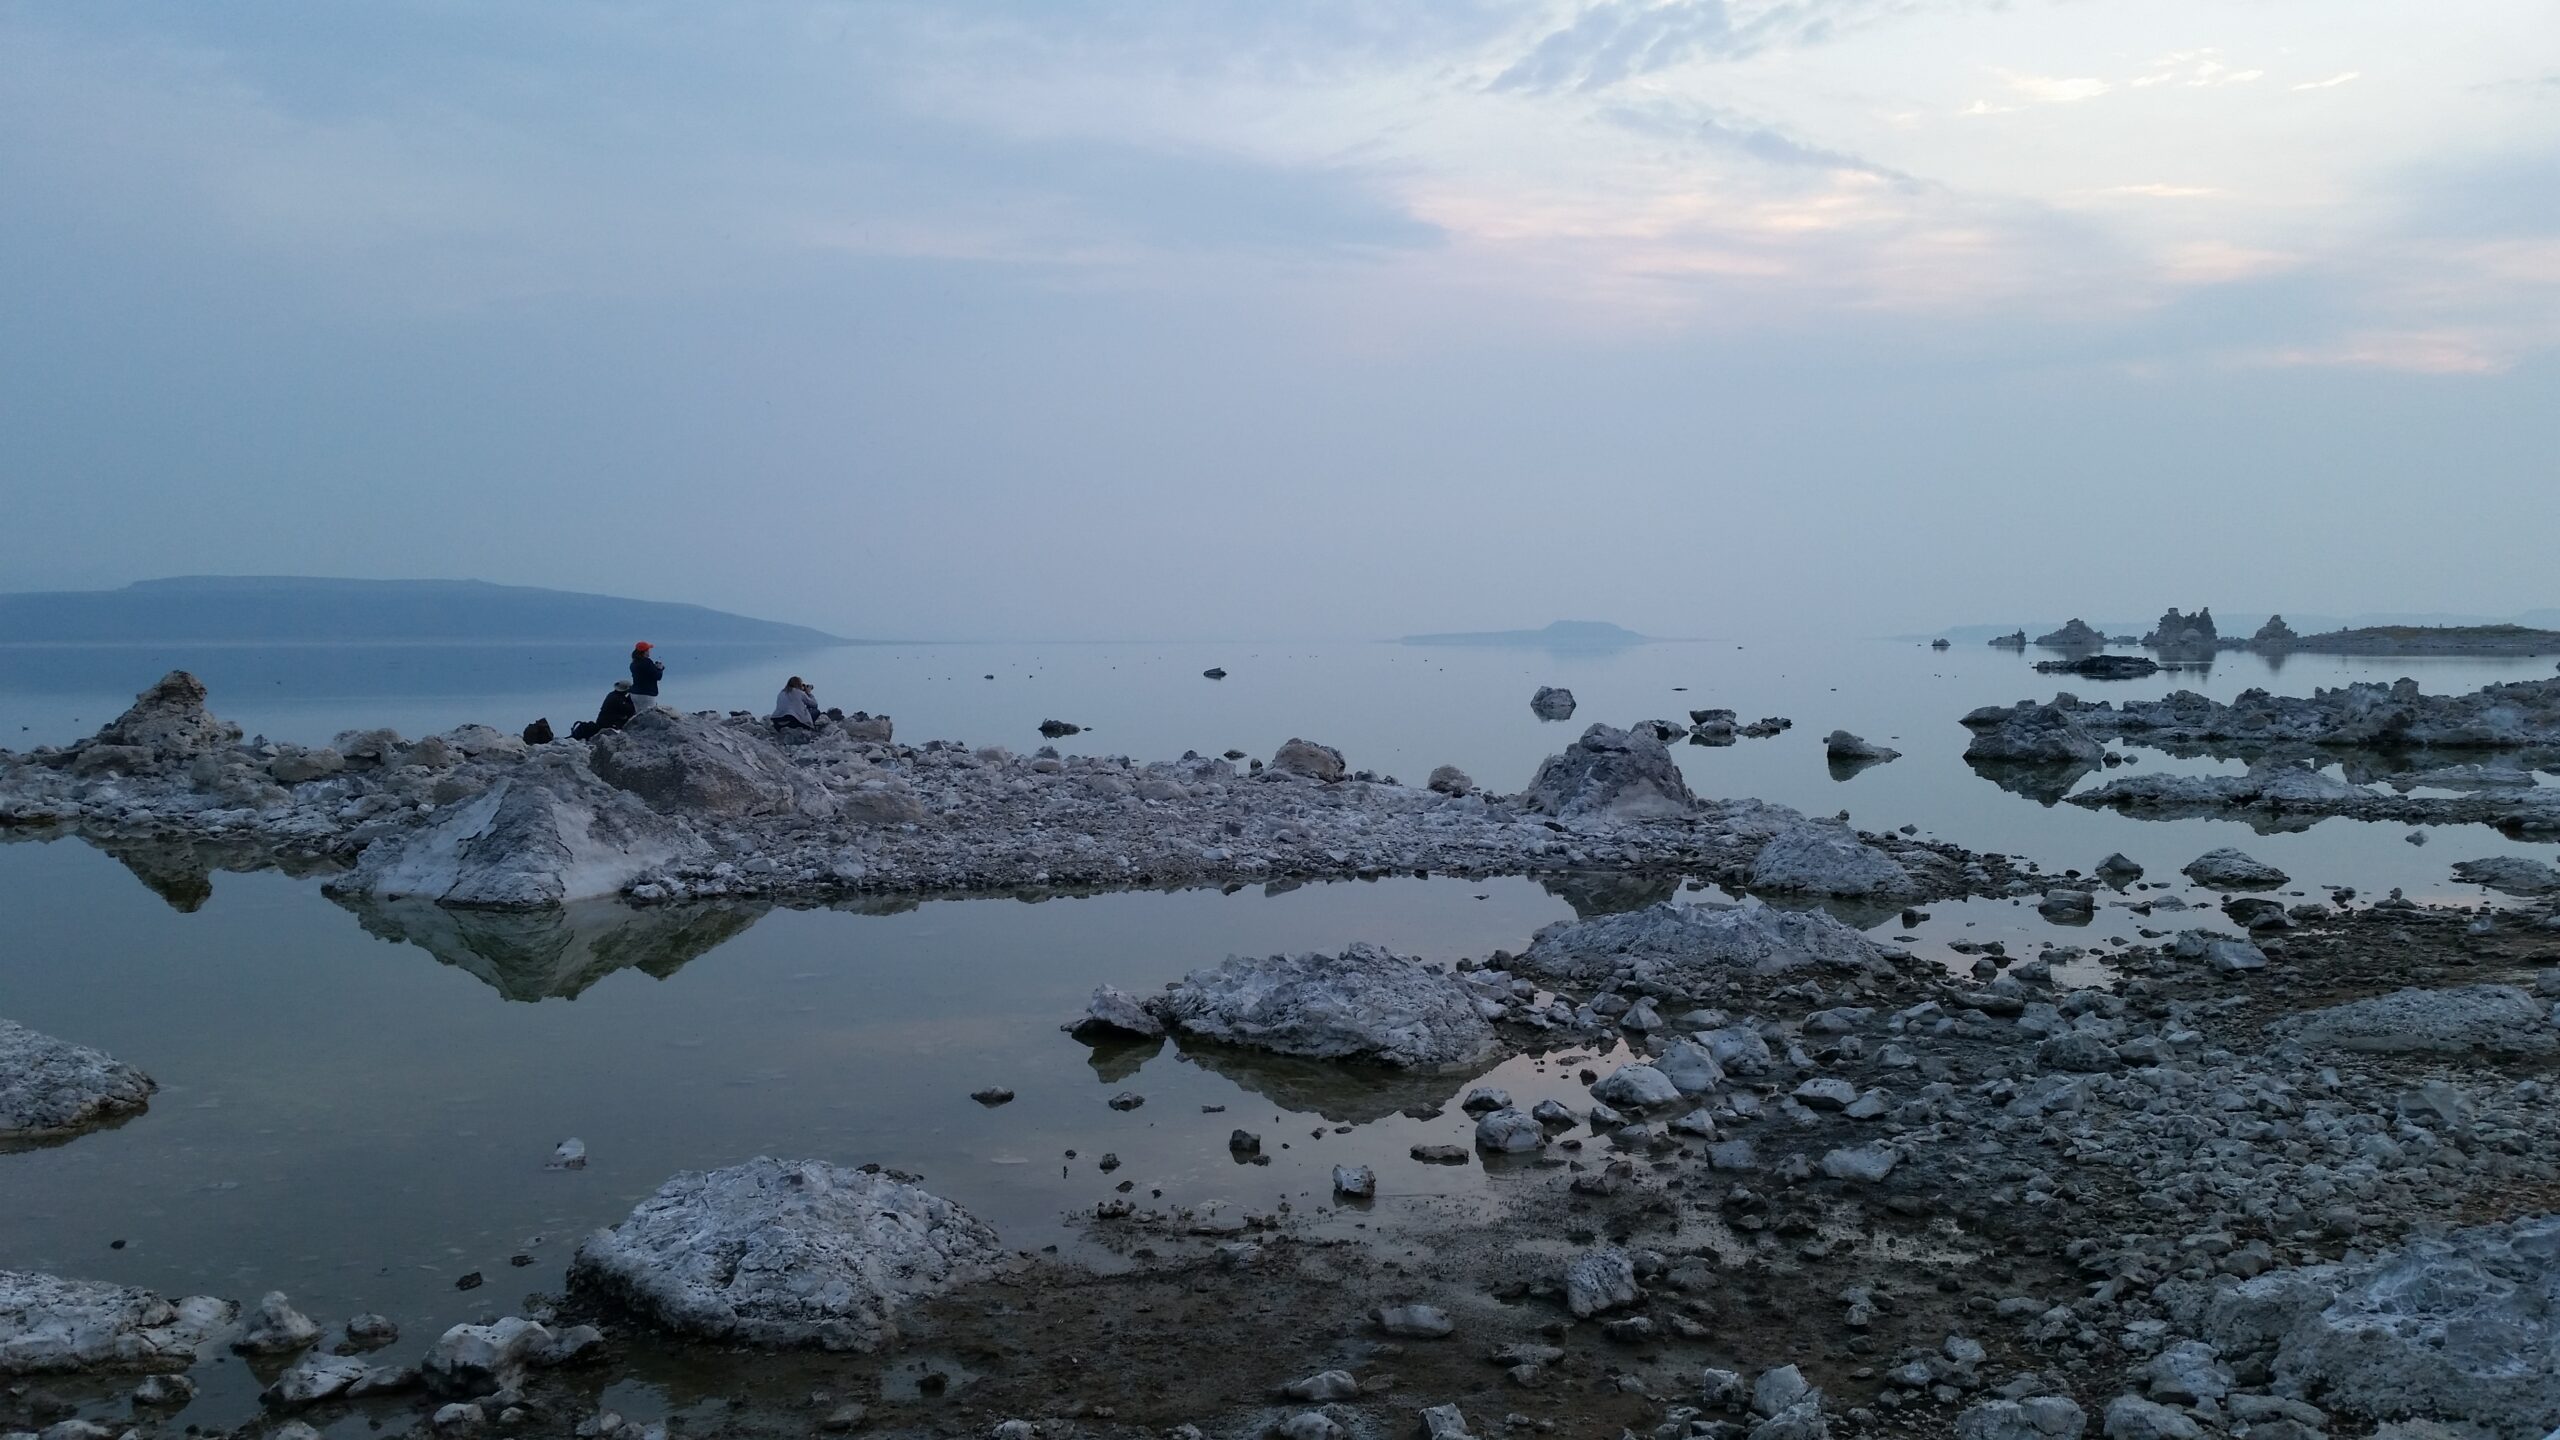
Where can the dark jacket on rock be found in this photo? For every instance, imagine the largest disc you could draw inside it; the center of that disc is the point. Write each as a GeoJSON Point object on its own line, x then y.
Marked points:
{"type": "Point", "coordinates": [617, 710]}
{"type": "Point", "coordinates": [645, 673]}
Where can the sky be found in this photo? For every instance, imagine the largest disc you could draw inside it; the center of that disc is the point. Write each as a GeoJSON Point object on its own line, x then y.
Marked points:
{"type": "Point", "coordinates": [1225, 319]}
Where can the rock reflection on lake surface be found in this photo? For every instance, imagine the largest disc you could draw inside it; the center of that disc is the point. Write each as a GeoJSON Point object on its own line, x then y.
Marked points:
{"type": "Point", "coordinates": [556, 953]}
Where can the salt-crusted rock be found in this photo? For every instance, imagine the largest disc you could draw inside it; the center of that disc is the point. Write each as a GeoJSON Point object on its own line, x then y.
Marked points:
{"type": "Point", "coordinates": [1636, 1086]}
{"type": "Point", "coordinates": [1826, 858]}
{"type": "Point", "coordinates": [294, 765]}
{"type": "Point", "coordinates": [2030, 734]}
{"type": "Point", "coordinates": [2519, 713]}
{"type": "Point", "coordinates": [1307, 759]}
{"type": "Point", "coordinates": [2039, 1417]}
{"type": "Point", "coordinates": [53, 1087]}
{"type": "Point", "coordinates": [1508, 1132]}
{"type": "Point", "coordinates": [275, 1328]}
{"type": "Point", "coordinates": [1114, 1014]}
{"type": "Point", "coordinates": [2229, 869]}
{"type": "Point", "coordinates": [169, 722]}
{"type": "Point", "coordinates": [1355, 1182]}
{"type": "Point", "coordinates": [1609, 774]}
{"type": "Point", "coordinates": [685, 764]}
{"type": "Point", "coordinates": [1366, 1003]}
{"type": "Point", "coordinates": [1450, 780]}
{"type": "Point", "coordinates": [1686, 946]}
{"type": "Point", "coordinates": [2464, 1327]}
{"type": "Point", "coordinates": [1841, 745]}
{"type": "Point", "coordinates": [2513, 874]}
{"type": "Point", "coordinates": [784, 1253]}
{"type": "Point", "coordinates": [1599, 1280]}
{"type": "Point", "coordinates": [1864, 1163]}
{"type": "Point", "coordinates": [2130, 1417]}
{"type": "Point", "coordinates": [868, 728]}
{"type": "Point", "coordinates": [1691, 1068]}
{"type": "Point", "coordinates": [473, 1360]}
{"type": "Point", "coordinates": [1552, 703]}
{"type": "Point", "coordinates": [2495, 1018]}
{"type": "Point", "coordinates": [548, 833]}
{"type": "Point", "coordinates": [50, 1326]}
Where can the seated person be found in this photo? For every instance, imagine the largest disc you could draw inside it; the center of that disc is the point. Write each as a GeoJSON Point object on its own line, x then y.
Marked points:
{"type": "Point", "coordinates": [796, 708]}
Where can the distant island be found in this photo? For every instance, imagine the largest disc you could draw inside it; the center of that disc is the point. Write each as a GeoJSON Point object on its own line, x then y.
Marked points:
{"type": "Point", "coordinates": [303, 610]}
{"type": "Point", "coordinates": [1561, 635]}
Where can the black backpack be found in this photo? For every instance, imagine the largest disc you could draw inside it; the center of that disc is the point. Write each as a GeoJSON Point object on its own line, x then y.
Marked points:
{"type": "Point", "coordinates": [539, 732]}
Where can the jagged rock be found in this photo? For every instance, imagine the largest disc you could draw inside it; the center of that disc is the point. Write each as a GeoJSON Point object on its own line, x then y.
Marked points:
{"type": "Point", "coordinates": [53, 1087]}
{"type": "Point", "coordinates": [169, 724]}
{"type": "Point", "coordinates": [1508, 1132]}
{"type": "Point", "coordinates": [1366, 1003]}
{"type": "Point", "coordinates": [2030, 734]}
{"type": "Point", "coordinates": [784, 1253]}
{"type": "Point", "coordinates": [2040, 1417]}
{"type": "Point", "coordinates": [1114, 1014]}
{"type": "Point", "coordinates": [1355, 1182]}
{"type": "Point", "coordinates": [2117, 866]}
{"type": "Point", "coordinates": [868, 728]}
{"type": "Point", "coordinates": [1826, 858]}
{"type": "Point", "coordinates": [1552, 703]}
{"type": "Point", "coordinates": [2274, 633]}
{"type": "Point", "coordinates": [685, 764]}
{"type": "Point", "coordinates": [1692, 1068]}
{"type": "Point", "coordinates": [1609, 774]}
{"type": "Point", "coordinates": [2495, 1018]}
{"type": "Point", "coordinates": [1687, 946]}
{"type": "Point", "coordinates": [2014, 640]}
{"type": "Point", "coordinates": [2184, 632]}
{"type": "Point", "coordinates": [1599, 1280]}
{"type": "Point", "coordinates": [475, 1360]}
{"type": "Point", "coordinates": [319, 1377]}
{"type": "Point", "coordinates": [2518, 713]}
{"type": "Point", "coordinates": [1841, 745]}
{"type": "Point", "coordinates": [549, 833]}
{"type": "Point", "coordinates": [2512, 874]}
{"type": "Point", "coordinates": [1450, 780]}
{"type": "Point", "coordinates": [2464, 1327]}
{"type": "Point", "coordinates": [53, 1326]}
{"type": "Point", "coordinates": [2229, 869]}
{"type": "Point", "coordinates": [275, 1328]}
{"type": "Point", "coordinates": [295, 765]}
{"type": "Point", "coordinates": [1309, 760]}
{"type": "Point", "coordinates": [2073, 635]}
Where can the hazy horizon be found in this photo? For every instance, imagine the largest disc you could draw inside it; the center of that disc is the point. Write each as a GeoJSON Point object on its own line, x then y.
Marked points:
{"type": "Point", "coordinates": [1075, 322]}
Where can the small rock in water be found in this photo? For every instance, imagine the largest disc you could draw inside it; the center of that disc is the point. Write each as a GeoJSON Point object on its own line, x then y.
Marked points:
{"type": "Point", "coordinates": [275, 1328]}
{"type": "Point", "coordinates": [1214, 673]}
{"type": "Point", "coordinates": [1440, 1154]}
{"type": "Point", "coordinates": [992, 1096]}
{"type": "Point", "coordinates": [1127, 1100]}
{"type": "Point", "coordinates": [1055, 728]}
{"type": "Point", "coordinates": [468, 1282]}
{"type": "Point", "coordinates": [1244, 1142]}
{"type": "Point", "coordinates": [1355, 1182]}
{"type": "Point", "coordinates": [569, 1154]}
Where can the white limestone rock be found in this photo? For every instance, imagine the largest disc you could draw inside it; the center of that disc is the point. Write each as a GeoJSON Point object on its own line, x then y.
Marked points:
{"type": "Point", "coordinates": [1610, 774]}
{"type": "Point", "coordinates": [1827, 858]}
{"type": "Point", "coordinates": [1365, 1003]}
{"type": "Point", "coordinates": [52, 1087]}
{"type": "Point", "coordinates": [53, 1326]}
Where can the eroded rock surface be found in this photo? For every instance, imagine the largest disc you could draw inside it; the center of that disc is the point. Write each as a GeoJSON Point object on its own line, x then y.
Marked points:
{"type": "Point", "coordinates": [1364, 1003]}
{"type": "Point", "coordinates": [2030, 734]}
{"type": "Point", "coordinates": [50, 1325]}
{"type": "Point", "coordinates": [1685, 946]}
{"type": "Point", "coordinates": [1610, 774]}
{"type": "Point", "coordinates": [784, 1254]}
{"type": "Point", "coordinates": [53, 1087]}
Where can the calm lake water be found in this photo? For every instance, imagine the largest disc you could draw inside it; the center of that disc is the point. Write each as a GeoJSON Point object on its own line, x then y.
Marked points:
{"type": "Point", "coordinates": [358, 1108]}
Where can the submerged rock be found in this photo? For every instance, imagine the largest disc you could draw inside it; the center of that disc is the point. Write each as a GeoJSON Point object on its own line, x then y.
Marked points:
{"type": "Point", "coordinates": [784, 1253]}
{"type": "Point", "coordinates": [1552, 703]}
{"type": "Point", "coordinates": [53, 1087]}
{"type": "Point", "coordinates": [1610, 774]}
{"type": "Point", "coordinates": [1687, 946]}
{"type": "Point", "coordinates": [1826, 858]}
{"type": "Point", "coordinates": [52, 1326]}
{"type": "Point", "coordinates": [1366, 1003]}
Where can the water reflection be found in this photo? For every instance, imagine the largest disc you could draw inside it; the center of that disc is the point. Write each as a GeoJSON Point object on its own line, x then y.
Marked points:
{"type": "Point", "coordinates": [2044, 784]}
{"type": "Point", "coordinates": [1601, 893]}
{"type": "Point", "coordinates": [556, 953]}
{"type": "Point", "coordinates": [1346, 1094]}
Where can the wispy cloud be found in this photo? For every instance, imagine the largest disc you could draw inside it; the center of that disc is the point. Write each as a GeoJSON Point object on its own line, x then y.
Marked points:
{"type": "Point", "coordinates": [2193, 70]}
{"type": "Point", "coordinates": [2161, 192]}
{"type": "Point", "coordinates": [2334, 81]}
{"type": "Point", "coordinates": [1617, 40]}
{"type": "Point", "coordinates": [2026, 90]}
{"type": "Point", "coordinates": [2432, 352]}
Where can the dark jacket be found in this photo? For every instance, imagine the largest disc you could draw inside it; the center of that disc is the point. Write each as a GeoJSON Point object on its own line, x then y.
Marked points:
{"type": "Point", "coordinates": [644, 674]}
{"type": "Point", "coordinates": [616, 711]}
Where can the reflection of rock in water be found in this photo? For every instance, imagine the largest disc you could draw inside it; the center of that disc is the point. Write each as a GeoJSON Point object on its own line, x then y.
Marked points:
{"type": "Point", "coordinates": [540, 954]}
{"type": "Point", "coordinates": [1118, 1058]}
{"type": "Point", "coordinates": [181, 872]}
{"type": "Point", "coordinates": [1344, 1093]}
{"type": "Point", "coordinates": [2044, 784]}
{"type": "Point", "coordinates": [1846, 767]}
{"type": "Point", "coordinates": [1862, 913]}
{"type": "Point", "coordinates": [1600, 893]}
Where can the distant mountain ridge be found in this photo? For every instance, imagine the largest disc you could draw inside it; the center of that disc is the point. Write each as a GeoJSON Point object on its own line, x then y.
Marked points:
{"type": "Point", "coordinates": [297, 609]}
{"type": "Point", "coordinates": [1560, 635]}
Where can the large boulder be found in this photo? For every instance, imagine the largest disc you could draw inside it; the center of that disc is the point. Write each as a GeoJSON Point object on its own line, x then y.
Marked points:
{"type": "Point", "coordinates": [1684, 947]}
{"type": "Point", "coordinates": [784, 1254]}
{"type": "Point", "coordinates": [169, 723]}
{"type": "Point", "coordinates": [1366, 1003]}
{"type": "Point", "coordinates": [52, 1326]}
{"type": "Point", "coordinates": [2464, 1327]}
{"type": "Point", "coordinates": [1308, 760]}
{"type": "Point", "coordinates": [688, 765]}
{"type": "Point", "coordinates": [2462, 1018]}
{"type": "Point", "coordinates": [2030, 734]}
{"type": "Point", "coordinates": [53, 1087]}
{"type": "Point", "coordinates": [1826, 858]}
{"type": "Point", "coordinates": [1610, 774]}
{"type": "Point", "coordinates": [549, 833]}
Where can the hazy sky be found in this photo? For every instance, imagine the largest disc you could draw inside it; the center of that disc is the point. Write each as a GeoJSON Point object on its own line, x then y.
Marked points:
{"type": "Point", "coordinates": [1254, 319]}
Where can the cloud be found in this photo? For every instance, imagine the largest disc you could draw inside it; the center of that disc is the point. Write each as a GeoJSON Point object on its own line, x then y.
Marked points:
{"type": "Point", "coordinates": [2434, 352]}
{"type": "Point", "coordinates": [1766, 143]}
{"type": "Point", "coordinates": [2161, 192]}
{"type": "Point", "coordinates": [2334, 81]}
{"type": "Point", "coordinates": [2028, 90]}
{"type": "Point", "coordinates": [2193, 70]}
{"type": "Point", "coordinates": [1617, 40]}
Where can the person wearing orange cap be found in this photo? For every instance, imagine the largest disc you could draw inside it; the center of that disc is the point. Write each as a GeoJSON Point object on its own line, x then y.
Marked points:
{"type": "Point", "coordinates": [646, 671]}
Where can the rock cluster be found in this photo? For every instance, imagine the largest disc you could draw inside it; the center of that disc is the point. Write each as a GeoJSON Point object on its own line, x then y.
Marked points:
{"type": "Point", "coordinates": [2184, 633]}
{"type": "Point", "coordinates": [2030, 734]}
{"type": "Point", "coordinates": [2518, 713]}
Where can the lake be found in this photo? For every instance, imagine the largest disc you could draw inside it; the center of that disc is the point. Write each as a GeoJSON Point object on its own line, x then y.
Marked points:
{"type": "Point", "coordinates": [362, 1116]}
